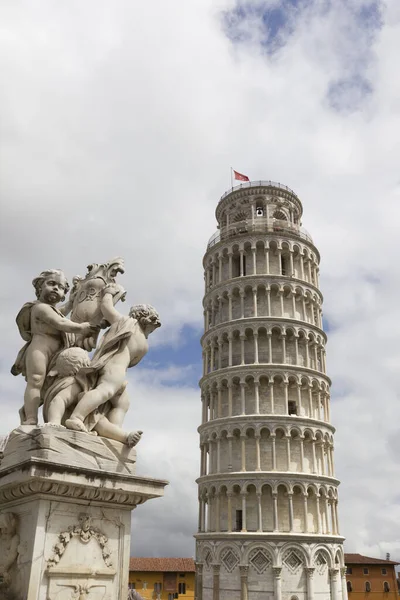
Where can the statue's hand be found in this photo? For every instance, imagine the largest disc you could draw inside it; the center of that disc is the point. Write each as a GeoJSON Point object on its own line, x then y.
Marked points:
{"type": "Point", "coordinates": [88, 329]}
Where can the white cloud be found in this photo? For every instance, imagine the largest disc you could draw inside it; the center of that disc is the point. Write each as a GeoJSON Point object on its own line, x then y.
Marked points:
{"type": "Point", "coordinates": [119, 123]}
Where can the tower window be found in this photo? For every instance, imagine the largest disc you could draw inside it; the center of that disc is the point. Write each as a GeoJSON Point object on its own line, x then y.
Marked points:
{"type": "Point", "coordinates": [236, 266]}
{"type": "Point", "coordinates": [292, 407]}
{"type": "Point", "coordinates": [284, 265]}
{"type": "Point", "coordinates": [239, 520]}
{"type": "Point", "coordinates": [259, 211]}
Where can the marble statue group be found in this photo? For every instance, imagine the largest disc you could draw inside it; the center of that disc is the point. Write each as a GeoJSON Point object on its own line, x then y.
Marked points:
{"type": "Point", "coordinates": [68, 484]}
{"type": "Point", "coordinates": [78, 391]}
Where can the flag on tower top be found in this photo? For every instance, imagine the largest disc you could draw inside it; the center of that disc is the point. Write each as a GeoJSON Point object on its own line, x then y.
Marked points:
{"type": "Point", "coordinates": [240, 176]}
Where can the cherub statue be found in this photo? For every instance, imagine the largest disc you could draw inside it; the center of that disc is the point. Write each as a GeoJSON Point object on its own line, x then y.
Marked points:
{"type": "Point", "coordinates": [46, 330]}
{"type": "Point", "coordinates": [9, 542]}
{"type": "Point", "coordinates": [61, 394]}
{"type": "Point", "coordinates": [122, 346]}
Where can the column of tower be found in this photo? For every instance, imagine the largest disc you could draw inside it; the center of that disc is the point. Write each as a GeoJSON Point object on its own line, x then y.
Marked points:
{"type": "Point", "coordinates": [268, 521]}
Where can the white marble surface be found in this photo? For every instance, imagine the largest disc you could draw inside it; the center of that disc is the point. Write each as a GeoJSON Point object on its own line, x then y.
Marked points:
{"type": "Point", "coordinates": [71, 495]}
{"type": "Point", "coordinates": [61, 446]}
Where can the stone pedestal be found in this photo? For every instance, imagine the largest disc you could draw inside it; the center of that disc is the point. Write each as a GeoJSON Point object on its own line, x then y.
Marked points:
{"type": "Point", "coordinates": [65, 515]}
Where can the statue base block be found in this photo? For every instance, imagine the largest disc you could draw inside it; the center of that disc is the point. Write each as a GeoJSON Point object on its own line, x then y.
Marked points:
{"type": "Point", "coordinates": [71, 495]}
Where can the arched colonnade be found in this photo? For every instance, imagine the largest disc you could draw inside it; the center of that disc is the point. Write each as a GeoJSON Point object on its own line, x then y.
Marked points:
{"type": "Point", "coordinates": [257, 299]}
{"type": "Point", "coordinates": [255, 393]}
{"type": "Point", "coordinates": [255, 449]}
{"type": "Point", "coordinates": [260, 257]}
{"type": "Point", "coordinates": [263, 343]}
{"type": "Point", "coordinates": [283, 568]}
{"type": "Point", "coordinates": [264, 507]}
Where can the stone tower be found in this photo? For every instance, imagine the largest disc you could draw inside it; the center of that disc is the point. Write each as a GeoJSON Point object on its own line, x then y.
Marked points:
{"type": "Point", "coordinates": [268, 523]}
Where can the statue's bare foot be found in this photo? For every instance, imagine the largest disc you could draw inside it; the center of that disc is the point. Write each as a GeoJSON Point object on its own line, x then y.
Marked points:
{"type": "Point", "coordinates": [133, 438]}
{"type": "Point", "coordinates": [75, 424]}
{"type": "Point", "coordinates": [55, 425]}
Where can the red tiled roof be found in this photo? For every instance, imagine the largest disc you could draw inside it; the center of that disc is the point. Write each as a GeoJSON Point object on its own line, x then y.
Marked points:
{"type": "Point", "coordinates": [359, 559]}
{"type": "Point", "coordinates": [179, 565]}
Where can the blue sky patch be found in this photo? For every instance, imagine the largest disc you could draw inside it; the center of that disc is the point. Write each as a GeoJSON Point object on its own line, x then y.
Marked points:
{"type": "Point", "coordinates": [186, 355]}
{"type": "Point", "coordinates": [271, 25]}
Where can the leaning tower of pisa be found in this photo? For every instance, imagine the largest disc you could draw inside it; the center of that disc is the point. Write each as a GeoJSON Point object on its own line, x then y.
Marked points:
{"type": "Point", "coordinates": [268, 521]}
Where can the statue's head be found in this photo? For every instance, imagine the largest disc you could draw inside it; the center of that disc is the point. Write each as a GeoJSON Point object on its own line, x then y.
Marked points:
{"type": "Point", "coordinates": [51, 286]}
{"type": "Point", "coordinates": [146, 315]}
{"type": "Point", "coordinates": [8, 523]}
{"type": "Point", "coordinates": [70, 361]}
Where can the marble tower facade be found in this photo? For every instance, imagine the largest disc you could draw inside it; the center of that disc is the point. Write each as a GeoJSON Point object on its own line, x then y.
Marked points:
{"type": "Point", "coordinates": [268, 520]}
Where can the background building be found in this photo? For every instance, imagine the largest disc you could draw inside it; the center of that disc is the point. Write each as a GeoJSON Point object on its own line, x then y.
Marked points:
{"type": "Point", "coordinates": [370, 578]}
{"type": "Point", "coordinates": [162, 578]}
{"type": "Point", "coordinates": [268, 520]}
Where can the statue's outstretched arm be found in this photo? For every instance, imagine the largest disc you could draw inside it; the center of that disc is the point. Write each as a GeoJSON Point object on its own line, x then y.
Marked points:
{"type": "Point", "coordinates": [46, 314]}
{"type": "Point", "coordinates": [107, 305]}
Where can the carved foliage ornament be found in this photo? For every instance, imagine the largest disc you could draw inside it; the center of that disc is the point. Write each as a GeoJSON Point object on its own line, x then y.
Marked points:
{"type": "Point", "coordinates": [85, 532]}
{"type": "Point", "coordinates": [80, 591]}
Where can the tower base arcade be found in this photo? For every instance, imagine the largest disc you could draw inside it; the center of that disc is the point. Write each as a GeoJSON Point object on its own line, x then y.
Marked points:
{"type": "Point", "coordinates": [236, 568]}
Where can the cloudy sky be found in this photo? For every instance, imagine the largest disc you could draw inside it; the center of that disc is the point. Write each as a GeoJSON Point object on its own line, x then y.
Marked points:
{"type": "Point", "coordinates": [119, 122]}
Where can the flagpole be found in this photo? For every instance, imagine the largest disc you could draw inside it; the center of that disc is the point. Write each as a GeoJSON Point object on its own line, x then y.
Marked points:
{"type": "Point", "coordinates": [231, 179]}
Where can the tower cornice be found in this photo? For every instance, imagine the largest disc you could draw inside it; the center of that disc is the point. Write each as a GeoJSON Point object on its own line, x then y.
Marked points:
{"type": "Point", "coordinates": [273, 478]}
{"type": "Point", "coordinates": [265, 280]}
{"type": "Point", "coordinates": [270, 422]}
{"type": "Point", "coordinates": [262, 321]}
{"type": "Point", "coordinates": [263, 369]}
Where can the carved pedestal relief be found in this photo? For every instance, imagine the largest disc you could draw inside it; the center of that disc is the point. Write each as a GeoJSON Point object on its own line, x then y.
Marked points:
{"type": "Point", "coordinates": [81, 566]}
